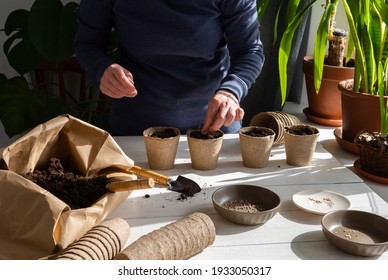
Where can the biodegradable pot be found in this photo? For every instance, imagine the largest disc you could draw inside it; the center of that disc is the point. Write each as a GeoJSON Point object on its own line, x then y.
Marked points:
{"type": "Point", "coordinates": [255, 144]}
{"type": "Point", "coordinates": [275, 120]}
{"type": "Point", "coordinates": [324, 107]}
{"type": "Point", "coordinates": [300, 147]}
{"type": "Point", "coordinates": [204, 152]}
{"type": "Point", "coordinates": [161, 146]}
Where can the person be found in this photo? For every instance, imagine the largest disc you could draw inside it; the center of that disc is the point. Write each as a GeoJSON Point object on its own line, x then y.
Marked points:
{"type": "Point", "coordinates": [185, 64]}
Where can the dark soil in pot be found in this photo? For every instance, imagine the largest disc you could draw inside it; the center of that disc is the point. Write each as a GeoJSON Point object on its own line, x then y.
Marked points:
{"type": "Point", "coordinates": [210, 135]}
{"type": "Point", "coordinates": [373, 150]}
{"type": "Point", "coordinates": [68, 185]}
{"type": "Point", "coordinates": [302, 129]}
{"type": "Point", "coordinates": [372, 139]}
{"type": "Point", "coordinates": [258, 132]}
{"type": "Point", "coordinates": [166, 133]}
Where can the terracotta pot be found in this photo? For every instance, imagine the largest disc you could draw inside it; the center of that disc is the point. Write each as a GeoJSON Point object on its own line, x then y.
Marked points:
{"type": "Point", "coordinates": [325, 107]}
{"type": "Point", "coordinates": [360, 111]}
{"type": "Point", "coordinates": [255, 150]}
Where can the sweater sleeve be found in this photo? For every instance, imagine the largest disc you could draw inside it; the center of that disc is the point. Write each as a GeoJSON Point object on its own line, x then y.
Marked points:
{"type": "Point", "coordinates": [245, 48]}
{"type": "Point", "coordinates": [95, 23]}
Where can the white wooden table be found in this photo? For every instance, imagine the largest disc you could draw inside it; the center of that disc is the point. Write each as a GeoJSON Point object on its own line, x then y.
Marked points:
{"type": "Point", "coordinates": [290, 234]}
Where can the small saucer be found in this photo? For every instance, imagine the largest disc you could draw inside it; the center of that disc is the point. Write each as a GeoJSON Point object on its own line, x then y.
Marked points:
{"type": "Point", "coordinates": [320, 120]}
{"type": "Point", "coordinates": [320, 202]}
{"type": "Point", "coordinates": [346, 145]}
{"type": "Point", "coordinates": [375, 178]}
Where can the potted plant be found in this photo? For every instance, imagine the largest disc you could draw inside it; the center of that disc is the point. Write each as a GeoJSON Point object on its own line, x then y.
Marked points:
{"type": "Point", "coordinates": [364, 98]}
{"type": "Point", "coordinates": [271, 16]}
{"type": "Point", "coordinates": [360, 96]}
{"type": "Point", "coordinates": [39, 48]}
{"type": "Point", "coordinates": [321, 70]}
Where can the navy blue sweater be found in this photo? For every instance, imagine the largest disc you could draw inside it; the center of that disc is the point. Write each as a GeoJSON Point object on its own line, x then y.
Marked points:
{"type": "Point", "coordinates": [180, 52]}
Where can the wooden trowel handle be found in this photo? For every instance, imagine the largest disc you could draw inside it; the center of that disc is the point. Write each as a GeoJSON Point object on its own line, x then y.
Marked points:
{"type": "Point", "coordinates": [130, 185]}
{"type": "Point", "coordinates": [159, 178]}
{"type": "Point", "coordinates": [142, 172]}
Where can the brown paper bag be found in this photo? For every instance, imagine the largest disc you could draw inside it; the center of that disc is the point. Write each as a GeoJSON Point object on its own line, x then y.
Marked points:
{"type": "Point", "coordinates": [33, 222]}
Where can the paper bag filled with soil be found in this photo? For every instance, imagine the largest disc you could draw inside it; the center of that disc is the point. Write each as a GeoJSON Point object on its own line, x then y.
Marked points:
{"type": "Point", "coordinates": [34, 221]}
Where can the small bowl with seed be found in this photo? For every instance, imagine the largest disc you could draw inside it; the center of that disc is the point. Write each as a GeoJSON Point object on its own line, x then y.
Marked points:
{"type": "Point", "coordinates": [246, 204]}
{"type": "Point", "coordinates": [356, 232]}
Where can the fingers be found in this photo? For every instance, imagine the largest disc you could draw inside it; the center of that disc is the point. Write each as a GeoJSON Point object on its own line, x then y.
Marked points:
{"type": "Point", "coordinates": [223, 110]}
{"type": "Point", "coordinates": [117, 82]}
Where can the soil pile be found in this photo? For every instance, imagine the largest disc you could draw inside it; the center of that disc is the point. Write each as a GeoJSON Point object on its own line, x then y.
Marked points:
{"type": "Point", "coordinates": [68, 185]}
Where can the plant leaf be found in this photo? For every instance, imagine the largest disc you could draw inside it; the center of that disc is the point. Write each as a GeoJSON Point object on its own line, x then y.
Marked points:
{"type": "Point", "coordinates": [52, 27]}
{"type": "Point", "coordinates": [18, 48]}
{"type": "Point", "coordinates": [261, 8]}
{"type": "Point", "coordinates": [352, 10]}
{"type": "Point", "coordinates": [383, 108]}
{"type": "Point", "coordinates": [320, 45]}
{"type": "Point", "coordinates": [285, 48]}
{"type": "Point", "coordinates": [22, 109]}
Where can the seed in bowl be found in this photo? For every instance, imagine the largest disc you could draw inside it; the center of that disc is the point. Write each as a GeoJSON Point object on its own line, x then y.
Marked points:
{"type": "Point", "coordinates": [241, 205]}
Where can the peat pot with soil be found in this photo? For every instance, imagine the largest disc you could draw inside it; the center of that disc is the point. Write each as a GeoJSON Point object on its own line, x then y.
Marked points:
{"type": "Point", "coordinates": [204, 148]}
{"type": "Point", "coordinates": [161, 146]}
{"type": "Point", "coordinates": [255, 144]}
{"type": "Point", "coordinates": [300, 142]}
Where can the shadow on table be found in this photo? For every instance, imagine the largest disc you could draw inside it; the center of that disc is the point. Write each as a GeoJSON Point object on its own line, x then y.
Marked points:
{"type": "Point", "coordinates": [314, 246]}
{"type": "Point", "coordinates": [299, 216]}
{"type": "Point", "coordinates": [225, 227]}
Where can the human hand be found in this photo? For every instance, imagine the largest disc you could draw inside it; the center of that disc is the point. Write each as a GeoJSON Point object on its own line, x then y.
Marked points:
{"type": "Point", "coordinates": [223, 109]}
{"type": "Point", "coordinates": [117, 82]}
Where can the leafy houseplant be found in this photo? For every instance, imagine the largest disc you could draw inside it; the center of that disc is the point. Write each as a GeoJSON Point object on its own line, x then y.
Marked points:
{"type": "Point", "coordinates": [325, 106]}
{"type": "Point", "coordinates": [367, 20]}
{"type": "Point", "coordinates": [294, 16]}
{"type": "Point", "coordinates": [272, 19]}
{"type": "Point", "coordinates": [41, 39]}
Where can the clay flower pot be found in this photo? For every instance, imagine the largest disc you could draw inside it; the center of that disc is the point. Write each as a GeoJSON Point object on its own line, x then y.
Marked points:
{"type": "Point", "coordinates": [300, 142]}
{"type": "Point", "coordinates": [255, 144]}
{"type": "Point", "coordinates": [204, 148]}
{"type": "Point", "coordinates": [161, 146]}
{"type": "Point", "coordinates": [325, 106]}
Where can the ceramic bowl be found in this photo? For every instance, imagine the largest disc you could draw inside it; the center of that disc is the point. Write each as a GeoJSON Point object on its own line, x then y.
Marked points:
{"type": "Point", "coordinates": [356, 232]}
{"type": "Point", "coordinates": [233, 203]}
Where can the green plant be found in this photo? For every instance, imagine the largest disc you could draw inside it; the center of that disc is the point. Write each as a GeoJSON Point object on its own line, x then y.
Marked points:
{"type": "Point", "coordinates": [43, 34]}
{"type": "Point", "coordinates": [367, 20]}
{"type": "Point", "coordinates": [294, 16]}
{"type": "Point", "coordinates": [324, 32]}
